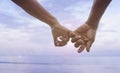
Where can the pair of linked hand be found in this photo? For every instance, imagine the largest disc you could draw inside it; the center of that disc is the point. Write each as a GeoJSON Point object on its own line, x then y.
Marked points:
{"type": "Point", "coordinates": [83, 37]}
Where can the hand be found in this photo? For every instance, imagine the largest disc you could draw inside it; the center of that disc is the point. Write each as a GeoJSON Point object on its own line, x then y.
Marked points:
{"type": "Point", "coordinates": [60, 35]}
{"type": "Point", "coordinates": [83, 37]}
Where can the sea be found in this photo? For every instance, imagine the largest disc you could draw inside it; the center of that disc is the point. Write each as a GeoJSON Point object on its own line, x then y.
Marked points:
{"type": "Point", "coordinates": [59, 64]}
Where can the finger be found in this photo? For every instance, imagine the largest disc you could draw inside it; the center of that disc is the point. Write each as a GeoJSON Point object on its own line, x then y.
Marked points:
{"type": "Point", "coordinates": [72, 35]}
{"type": "Point", "coordinates": [86, 39]}
{"type": "Point", "coordinates": [75, 39]}
{"type": "Point", "coordinates": [64, 38]}
{"type": "Point", "coordinates": [89, 43]}
{"type": "Point", "coordinates": [61, 41]}
{"type": "Point", "coordinates": [81, 48]}
{"type": "Point", "coordinates": [79, 42]}
{"type": "Point", "coordinates": [55, 41]}
{"type": "Point", "coordinates": [59, 38]}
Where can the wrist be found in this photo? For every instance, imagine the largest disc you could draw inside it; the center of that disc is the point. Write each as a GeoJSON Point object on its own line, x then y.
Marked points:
{"type": "Point", "coordinates": [93, 24]}
{"type": "Point", "coordinates": [53, 23]}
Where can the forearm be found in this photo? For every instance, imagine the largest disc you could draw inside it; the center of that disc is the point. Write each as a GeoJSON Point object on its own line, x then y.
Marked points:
{"type": "Point", "coordinates": [97, 11]}
{"type": "Point", "coordinates": [35, 9]}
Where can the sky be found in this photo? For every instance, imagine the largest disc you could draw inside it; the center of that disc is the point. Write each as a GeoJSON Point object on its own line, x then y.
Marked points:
{"type": "Point", "coordinates": [24, 35]}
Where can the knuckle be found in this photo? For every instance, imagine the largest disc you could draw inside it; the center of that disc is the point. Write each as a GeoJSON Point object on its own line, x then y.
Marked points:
{"type": "Point", "coordinates": [76, 45]}
{"type": "Point", "coordinates": [93, 40]}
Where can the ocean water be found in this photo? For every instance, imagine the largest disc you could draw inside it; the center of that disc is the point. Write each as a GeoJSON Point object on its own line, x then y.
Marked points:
{"type": "Point", "coordinates": [59, 64]}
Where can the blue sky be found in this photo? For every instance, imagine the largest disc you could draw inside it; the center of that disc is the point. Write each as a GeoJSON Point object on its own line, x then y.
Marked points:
{"type": "Point", "coordinates": [22, 34]}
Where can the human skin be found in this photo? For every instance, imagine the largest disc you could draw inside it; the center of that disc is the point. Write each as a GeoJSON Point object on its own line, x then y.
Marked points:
{"type": "Point", "coordinates": [34, 8]}
{"type": "Point", "coordinates": [83, 36]}
{"type": "Point", "coordinates": [87, 31]}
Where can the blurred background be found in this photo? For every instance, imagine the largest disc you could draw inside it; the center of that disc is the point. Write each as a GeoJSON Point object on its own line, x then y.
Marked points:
{"type": "Point", "coordinates": [26, 40]}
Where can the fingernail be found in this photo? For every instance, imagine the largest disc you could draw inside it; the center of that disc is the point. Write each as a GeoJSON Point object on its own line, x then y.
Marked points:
{"type": "Point", "coordinates": [88, 50]}
{"type": "Point", "coordinates": [79, 51]}
{"type": "Point", "coordinates": [57, 44]}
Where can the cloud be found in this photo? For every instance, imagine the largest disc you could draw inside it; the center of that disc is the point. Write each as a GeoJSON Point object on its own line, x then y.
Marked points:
{"type": "Point", "coordinates": [22, 34]}
{"type": "Point", "coordinates": [19, 32]}
{"type": "Point", "coordinates": [80, 9]}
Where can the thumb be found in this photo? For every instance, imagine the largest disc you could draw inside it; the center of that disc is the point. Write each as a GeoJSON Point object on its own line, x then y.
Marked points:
{"type": "Point", "coordinates": [72, 34]}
